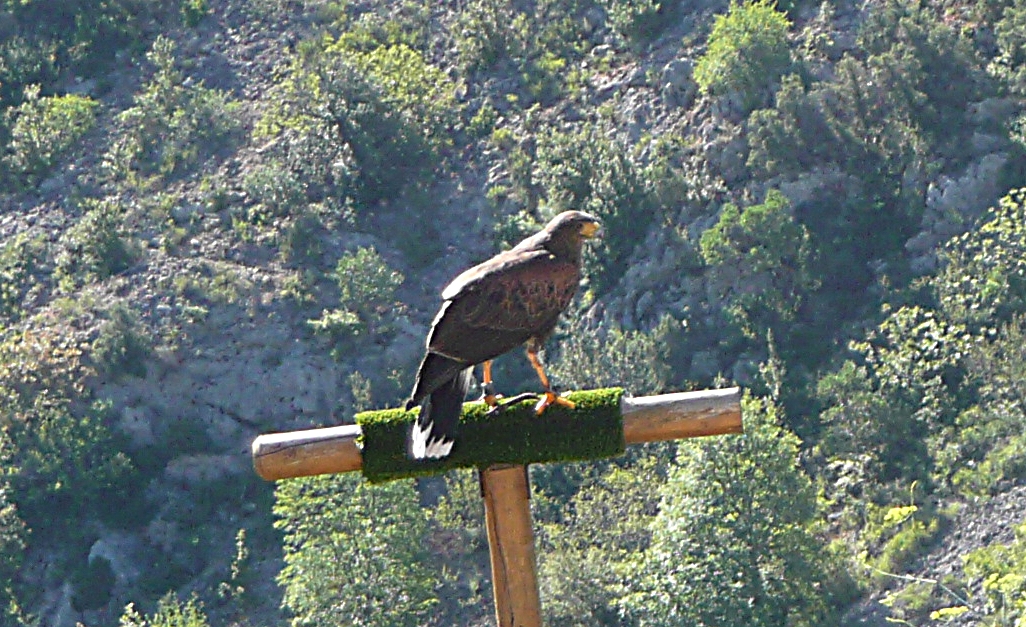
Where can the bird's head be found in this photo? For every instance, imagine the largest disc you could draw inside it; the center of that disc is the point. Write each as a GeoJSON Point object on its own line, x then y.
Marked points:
{"type": "Point", "coordinates": [565, 234]}
{"type": "Point", "coordinates": [575, 224]}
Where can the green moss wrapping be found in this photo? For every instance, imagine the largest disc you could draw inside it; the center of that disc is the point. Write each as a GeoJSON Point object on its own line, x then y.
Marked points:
{"type": "Point", "coordinates": [592, 430]}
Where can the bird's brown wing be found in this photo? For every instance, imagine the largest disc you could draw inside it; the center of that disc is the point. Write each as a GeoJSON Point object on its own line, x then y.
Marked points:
{"type": "Point", "coordinates": [499, 305]}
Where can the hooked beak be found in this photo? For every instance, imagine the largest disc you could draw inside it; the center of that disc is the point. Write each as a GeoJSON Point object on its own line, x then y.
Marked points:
{"type": "Point", "coordinates": [592, 229]}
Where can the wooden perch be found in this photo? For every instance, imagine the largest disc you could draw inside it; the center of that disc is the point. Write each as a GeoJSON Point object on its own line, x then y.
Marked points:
{"type": "Point", "coordinates": [645, 419]}
{"type": "Point", "coordinates": [506, 493]}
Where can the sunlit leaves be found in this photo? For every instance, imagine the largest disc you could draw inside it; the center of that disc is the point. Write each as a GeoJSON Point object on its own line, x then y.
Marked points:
{"type": "Point", "coordinates": [734, 542]}
{"type": "Point", "coordinates": [747, 51]}
{"type": "Point", "coordinates": [355, 554]}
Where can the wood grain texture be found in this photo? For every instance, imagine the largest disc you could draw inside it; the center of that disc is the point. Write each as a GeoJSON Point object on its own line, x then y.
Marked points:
{"type": "Point", "coordinates": [306, 453]}
{"type": "Point", "coordinates": [681, 415]}
{"type": "Point", "coordinates": [506, 494]}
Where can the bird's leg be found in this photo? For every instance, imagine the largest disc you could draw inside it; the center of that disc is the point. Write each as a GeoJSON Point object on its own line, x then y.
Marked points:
{"type": "Point", "coordinates": [488, 395]}
{"type": "Point", "coordinates": [550, 397]}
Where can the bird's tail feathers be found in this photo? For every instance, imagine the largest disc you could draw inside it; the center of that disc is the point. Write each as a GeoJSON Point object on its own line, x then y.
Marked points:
{"type": "Point", "coordinates": [435, 371]}
{"type": "Point", "coordinates": [432, 436]}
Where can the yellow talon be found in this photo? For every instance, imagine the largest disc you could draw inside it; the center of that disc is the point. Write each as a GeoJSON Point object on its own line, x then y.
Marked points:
{"type": "Point", "coordinates": [551, 398]}
{"type": "Point", "coordinates": [490, 400]}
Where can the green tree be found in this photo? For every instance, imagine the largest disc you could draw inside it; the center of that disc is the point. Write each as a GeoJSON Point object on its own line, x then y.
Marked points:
{"type": "Point", "coordinates": [422, 92]}
{"type": "Point", "coordinates": [83, 34]}
{"type": "Point", "coordinates": [983, 280]}
{"type": "Point", "coordinates": [367, 284]}
{"type": "Point", "coordinates": [985, 447]}
{"type": "Point", "coordinates": [359, 127]}
{"type": "Point", "coordinates": [917, 358]}
{"type": "Point", "coordinates": [761, 262]}
{"type": "Point", "coordinates": [588, 555]}
{"type": "Point", "coordinates": [19, 257]}
{"type": "Point", "coordinates": [865, 426]}
{"type": "Point", "coordinates": [355, 554]}
{"type": "Point", "coordinates": [539, 41]}
{"type": "Point", "coordinates": [747, 52]}
{"type": "Point", "coordinates": [70, 468]}
{"type": "Point", "coordinates": [122, 345]}
{"type": "Point", "coordinates": [591, 168]}
{"type": "Point", "coordinates": [1010, 64]}
{"type": "Point", "coordinates": [635, 21]}
{"type": "Point", "coordinates": [866, 140]}
{"type": "Point", "coordinates": [367, 295]}
{"type": "Point", "coordinates": [735, 539]}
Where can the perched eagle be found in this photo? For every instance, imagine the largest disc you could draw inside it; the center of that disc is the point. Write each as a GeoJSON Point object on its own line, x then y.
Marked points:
{"type": "Point", "coordinates": [514, 298]}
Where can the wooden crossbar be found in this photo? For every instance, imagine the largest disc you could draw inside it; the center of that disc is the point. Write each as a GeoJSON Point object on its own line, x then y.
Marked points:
{"type": "Point", "coordinates": [331, 450]}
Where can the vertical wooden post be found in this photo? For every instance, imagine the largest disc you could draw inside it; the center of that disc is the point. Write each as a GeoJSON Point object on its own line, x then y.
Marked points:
{"type": "Point", "coordinates": [506, 492]}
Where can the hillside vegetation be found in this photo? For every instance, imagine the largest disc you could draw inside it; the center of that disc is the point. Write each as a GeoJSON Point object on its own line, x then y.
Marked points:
{"type": "Point", "coordinates": [220, 218]}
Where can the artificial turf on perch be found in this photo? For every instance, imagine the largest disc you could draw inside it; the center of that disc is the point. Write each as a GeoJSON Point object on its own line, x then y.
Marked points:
{"type": "Point", "coordinates": [515, 435]}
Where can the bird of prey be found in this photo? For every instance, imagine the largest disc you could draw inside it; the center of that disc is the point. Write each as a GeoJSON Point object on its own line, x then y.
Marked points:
{"type": "Point", "coordinates": [512, 299]}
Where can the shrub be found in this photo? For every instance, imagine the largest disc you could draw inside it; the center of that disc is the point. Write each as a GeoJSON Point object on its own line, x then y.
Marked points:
{"type": "Point", "coordinates": [95, 248]}
{"type": "Point", "coordinates": [491, 30]}
{"type": "Point", "coordinates": [25, 61]}
{"type": "Point", "coordinates": [121, 347]}
{"type": "Point", "coordinates": [635, 21]}
{"type": "Point", "coordinates": [40, 366]}
{"type": "Point", "coordinates": [361, 126]}
{"type": "Point", "coordinates": [983, 281]}
{"type": "Point", "coordinates": [170, 613]}
{"type": "Point", "coordinates": [928, 71]}
{"type": "Point", "coordinates": [918, 358]}
{"type": "Point", "coordinates": [609, 356]}
{"type": "Point", "coordinates": [1010, 64]}
{"type": "Point", "coordinates": [84, 34]}
{"type": "Point", "coordinates": [875, 128]}
{"type": "Point", "coordinates": [70, 468]}
{"type": "Point", "coordinates": [422, 92]}
{"type": "Point", "coordinates": [539, 42]}
{"type": "Point", "coordinates": [586, 169]}
{"type": "Point", "coordinates": [171, 127]}
{"type": "Point", "coordinates": [908, 532]}
{"type": "Point", "coordinates": [12, 532]}
{"type": "Point", "coordinates": [747, 52]}
{"type": "Point", "coordinates": [1001, 568]}
{"type": "Point", "coordinates": [985, 449]}
{"type": "Point", "coordinates": [44, 130]}
{"type": "Point", "coordinates": [367, 284]}
{"type": "Point", "coordinates": [92, 585]}
{"type": "Point", "coordinates": [19, 256]}
{"type": "Point", "coordinates": [587, 563]}
{"type": "Point", "coordinates": [367, 296]}
{"type": "Point", "coordinates": [275, 189]}
{"type": "Point", "coordinates": [193, 12]}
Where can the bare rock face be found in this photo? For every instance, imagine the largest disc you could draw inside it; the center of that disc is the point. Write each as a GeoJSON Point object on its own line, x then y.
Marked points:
{"type": "Point", "coordinates": [952, 204]}
{"type": "Point", "coordinates": [678, 87]}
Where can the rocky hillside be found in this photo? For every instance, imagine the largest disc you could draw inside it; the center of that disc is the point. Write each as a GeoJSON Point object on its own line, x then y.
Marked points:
{"type": "Point", "coordinates": [223, 218]}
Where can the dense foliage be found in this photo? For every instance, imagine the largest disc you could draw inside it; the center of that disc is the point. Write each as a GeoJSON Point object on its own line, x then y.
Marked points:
{"type": "Point", "coordinates": [222, 218]}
